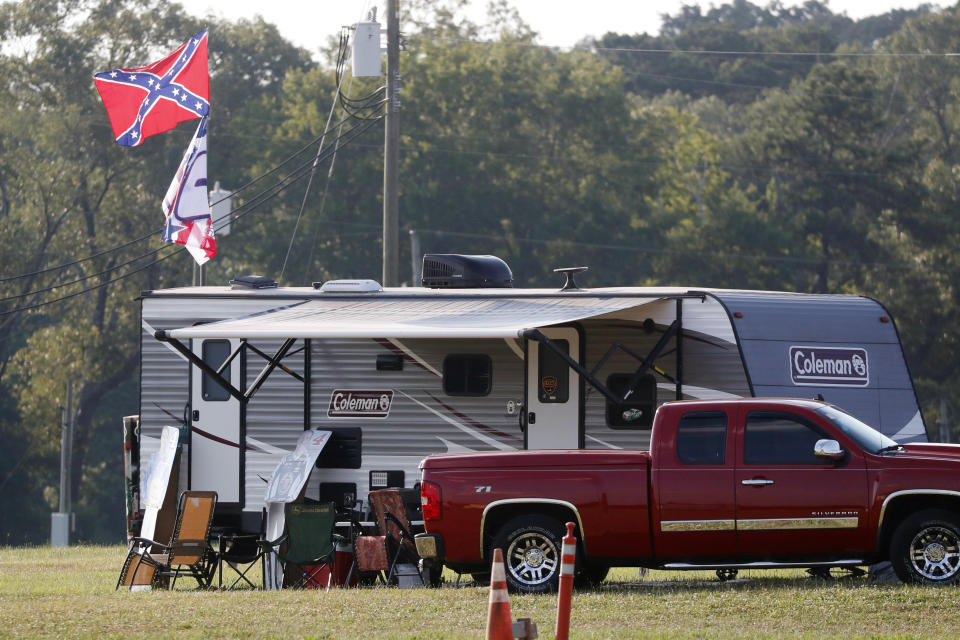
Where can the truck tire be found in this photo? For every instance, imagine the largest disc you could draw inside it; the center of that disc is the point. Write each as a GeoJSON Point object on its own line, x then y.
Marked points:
{"type": "Point", "coordinates": [925, 548]}
{"type": "Point", "coordinates": [531, 553]}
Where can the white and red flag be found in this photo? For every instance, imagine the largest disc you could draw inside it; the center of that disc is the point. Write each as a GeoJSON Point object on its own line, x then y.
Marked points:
{"type": "Point", "coordinates": [187, 205]}
{"type": "Point", "coordinates": [147, 100]}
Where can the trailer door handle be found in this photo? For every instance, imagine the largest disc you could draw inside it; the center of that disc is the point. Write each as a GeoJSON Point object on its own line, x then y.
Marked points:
{"type": "Point", "coordinates": [196, 415]}
{"type": "Point", "coordinates": [756, 482]}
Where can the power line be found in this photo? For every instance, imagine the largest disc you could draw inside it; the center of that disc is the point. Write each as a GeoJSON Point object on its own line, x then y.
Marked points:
{"type": "Point", "coordinates": [800, 54]}
{"type": "Point", "coordinates": [88, 277]}
{"type": "Point", "coordinates": [703, 52]}
{"type": "Point", "coordinates": [150, 234]}
{"type": "Point", "coordinates": [259, 199]}
{"type": "Point", "coordinates": [88, 289]}
{"type": "Point", "coordinates": [316, 161]}
{"type": "Point", "coordinates": [655, 250]}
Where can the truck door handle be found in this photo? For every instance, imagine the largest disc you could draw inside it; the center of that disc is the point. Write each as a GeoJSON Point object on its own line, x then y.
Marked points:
{"type": "Point", "coordinates": [756, 482]}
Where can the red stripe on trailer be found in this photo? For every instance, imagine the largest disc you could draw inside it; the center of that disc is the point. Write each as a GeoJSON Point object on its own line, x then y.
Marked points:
{"type": "Point", "coordinates": [210, 436]}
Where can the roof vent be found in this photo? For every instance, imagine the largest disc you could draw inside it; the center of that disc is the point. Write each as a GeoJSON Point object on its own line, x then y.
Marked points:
{"type": "Point", "coordinates": [456, 271]}
{"type": "Point", "coordinates": [253, 282]}
{"type": "Point", "coordinates": [349, 286]}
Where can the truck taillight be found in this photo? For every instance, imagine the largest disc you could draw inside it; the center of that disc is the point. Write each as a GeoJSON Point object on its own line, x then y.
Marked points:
{"type": "Point", "coordinates": [430, 499]}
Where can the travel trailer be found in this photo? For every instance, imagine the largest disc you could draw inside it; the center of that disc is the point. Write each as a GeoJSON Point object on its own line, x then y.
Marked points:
{"type": "Point", "coordinates": [469, 363]}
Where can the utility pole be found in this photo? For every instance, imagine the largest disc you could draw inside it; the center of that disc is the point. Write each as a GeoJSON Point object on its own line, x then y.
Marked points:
{"type": "Point", "coordinates": [60, 521]}
{"type": "Point", "coordinates": [391, 147]}
{"type": "Point", "coordinates": [415, 261]}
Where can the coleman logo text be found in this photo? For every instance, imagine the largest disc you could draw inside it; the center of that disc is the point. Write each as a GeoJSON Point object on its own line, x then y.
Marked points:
{"type": "Point", "coordinates": [829, 367]}
{"type": "Point", "coordinates": [360, 403]}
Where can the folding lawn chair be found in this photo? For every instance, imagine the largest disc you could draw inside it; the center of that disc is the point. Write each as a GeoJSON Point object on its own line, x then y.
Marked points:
{"type": "Point", "coordinates": [150, 563]}
{"type": "Point", "coordinates": [310, 541]}
{"type": "Point", "coordinates": [235, 551]}
{"type": "Point", "coordinates": [394, 550]}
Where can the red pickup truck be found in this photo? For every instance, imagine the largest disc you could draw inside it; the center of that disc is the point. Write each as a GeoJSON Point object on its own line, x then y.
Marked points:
{"type": "Point", "coordinates": [726, 484]}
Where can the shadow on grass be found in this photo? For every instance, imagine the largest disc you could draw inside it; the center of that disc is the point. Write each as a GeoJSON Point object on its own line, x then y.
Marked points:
{"type": "Point", "coordinates": [752, 581]}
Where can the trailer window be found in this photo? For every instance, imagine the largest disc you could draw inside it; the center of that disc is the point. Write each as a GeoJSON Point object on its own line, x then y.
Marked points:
{"type": "Point", "coordinates": [702, 438]}
{"type": "Point", "coordinates": [214, 353]}
{"type": "Point", "coordinates": [554, 387]}
{"type": "Point", "coordinates": [467, 375]}
{"type": "Point", "coordinates": [636, 412]}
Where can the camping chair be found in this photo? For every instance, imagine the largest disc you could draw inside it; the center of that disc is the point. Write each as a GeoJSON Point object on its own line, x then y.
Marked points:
{"type": "Point", "coordinates": [394, 550]}
{"type": "Point", "coordinates": [310, 541]}
{"type": "Point", "coordinates": [235, 551]}
{"type": "Point", "coordinates": [188, 548]}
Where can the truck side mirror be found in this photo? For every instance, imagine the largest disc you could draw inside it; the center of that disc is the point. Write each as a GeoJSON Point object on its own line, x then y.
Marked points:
{"type": "Point", "coordinates": [829, 450]}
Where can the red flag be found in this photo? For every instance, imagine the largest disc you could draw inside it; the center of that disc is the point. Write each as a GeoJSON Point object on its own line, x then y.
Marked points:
{"type": "Point", "coordinates": [152, 99]}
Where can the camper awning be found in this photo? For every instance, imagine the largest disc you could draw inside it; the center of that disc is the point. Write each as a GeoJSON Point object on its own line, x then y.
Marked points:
{"type": "Point", "coordinates": [403, 317]}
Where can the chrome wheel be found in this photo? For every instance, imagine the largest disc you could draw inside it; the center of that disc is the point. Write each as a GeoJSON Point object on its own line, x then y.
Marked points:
{"type": "Point", "coordinates": [935, 553]}
{"type": "Point", "coordinates": [531, 552]}
{"type": "Point", "coordinates": [532, 559]}
{"type": "Point", "coordinates": [925, 548]}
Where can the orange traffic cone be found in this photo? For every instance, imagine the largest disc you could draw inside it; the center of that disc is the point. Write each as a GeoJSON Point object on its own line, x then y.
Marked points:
{"type": "Point", "coordinates": [499, 622]}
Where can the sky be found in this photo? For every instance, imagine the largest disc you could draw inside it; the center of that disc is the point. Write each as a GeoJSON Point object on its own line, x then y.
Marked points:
{"type": "Point", "coordinates": [308, 24]}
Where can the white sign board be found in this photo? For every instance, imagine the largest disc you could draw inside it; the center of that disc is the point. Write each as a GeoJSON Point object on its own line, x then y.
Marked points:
{"type": "Point", "coordinates": [157, 479]}
{"type": "Point", "coordinates": [285, 485]}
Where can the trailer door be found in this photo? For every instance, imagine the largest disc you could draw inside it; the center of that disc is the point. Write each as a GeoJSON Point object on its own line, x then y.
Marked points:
{"type": "Point", "coordinates": [216, 451]}
{"type": "Point", "coordinates": [554, 393]}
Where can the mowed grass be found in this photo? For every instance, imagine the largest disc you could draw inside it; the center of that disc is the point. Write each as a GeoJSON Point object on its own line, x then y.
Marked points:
{"type": "Point", "coordinates": [69, 593]}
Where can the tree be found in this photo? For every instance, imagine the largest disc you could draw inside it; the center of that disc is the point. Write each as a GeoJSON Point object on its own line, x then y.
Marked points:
{"type": "Point", "coordinates": [831, 170]}
{"type": "Point", "coordinates": [69, 191]}
{"type": "Point", "coordinates": [534, 147]}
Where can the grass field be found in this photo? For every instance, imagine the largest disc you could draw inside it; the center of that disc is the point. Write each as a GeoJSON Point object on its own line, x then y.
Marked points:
{"type": "Point", "coordinates": [68, 593]}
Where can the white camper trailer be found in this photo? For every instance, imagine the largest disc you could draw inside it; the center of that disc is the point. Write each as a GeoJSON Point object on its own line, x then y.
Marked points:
{"type": "Point", "coordinates": [401, 373]}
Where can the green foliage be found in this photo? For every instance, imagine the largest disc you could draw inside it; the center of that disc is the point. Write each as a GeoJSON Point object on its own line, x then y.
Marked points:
{"type": "Point", "coordinates": [732, 149]}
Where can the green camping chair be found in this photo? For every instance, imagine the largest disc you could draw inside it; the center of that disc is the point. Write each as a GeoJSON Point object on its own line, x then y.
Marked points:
{"type": "Point", "coordinates": [310, 542]}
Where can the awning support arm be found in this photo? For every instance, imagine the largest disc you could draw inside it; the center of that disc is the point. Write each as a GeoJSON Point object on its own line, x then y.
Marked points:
{"type": "Point", "coordinates": [537, 335]}
{"type": "Point", "coordinates": [634, 355]}
{"type": "Point", "coordinates": [182, 349]}
{"type": "Point", "coordinates": [271, 365]}
{"type": "Point", "coordinates": [647, 363]}
{"type": "Point", "coordinates": [226, 363]}
{"type": "Point", "coordinates": [281, 366]}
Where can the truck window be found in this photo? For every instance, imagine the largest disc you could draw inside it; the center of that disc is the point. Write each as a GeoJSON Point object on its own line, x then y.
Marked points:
{"type": "Point", "coordinates": [772, 437]}
{"type": "Point", "coordinates": [702, 437]}
{"type": "Point", "coordinates": [214, 353]}
{"type": "Point", "coordinates": [467, 375]}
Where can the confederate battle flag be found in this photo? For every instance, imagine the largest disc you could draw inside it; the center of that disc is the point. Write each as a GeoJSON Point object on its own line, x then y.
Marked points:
{"type": "Point", "coordinates": [152, 99]}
